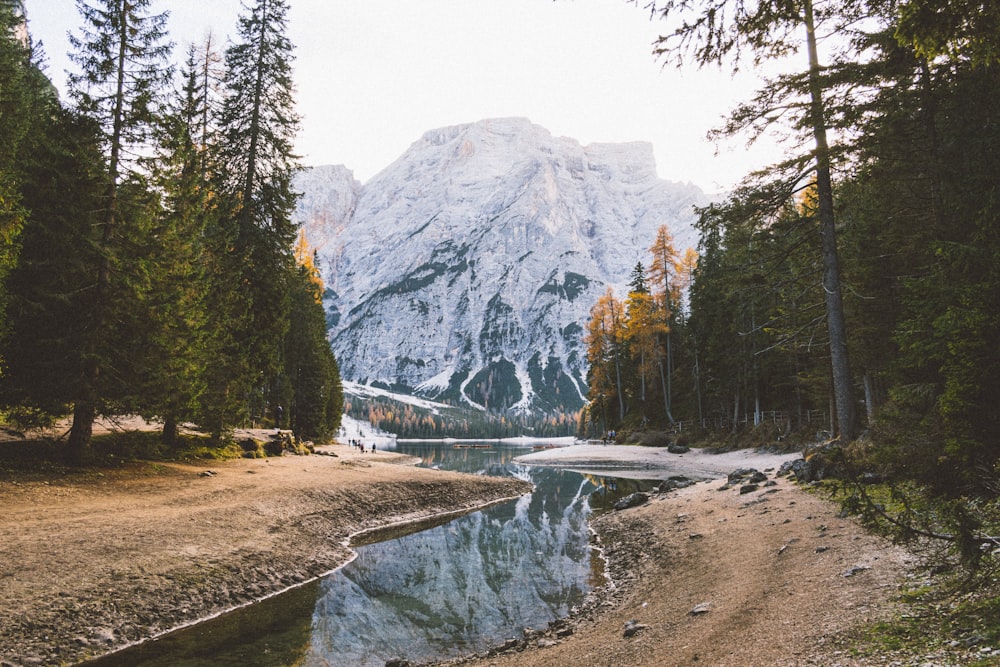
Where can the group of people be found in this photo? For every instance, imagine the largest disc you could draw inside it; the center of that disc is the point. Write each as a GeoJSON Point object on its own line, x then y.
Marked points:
{"type": "Point", "coordinates": [360, 444]}
{"type": "Point", "coordinates": [609, 437]}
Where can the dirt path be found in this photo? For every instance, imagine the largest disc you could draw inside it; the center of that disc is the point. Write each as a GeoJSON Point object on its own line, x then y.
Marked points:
{"type": "Point", "coordinates": [704, 575]}
{"type": "Point", "coordinates": [93, 561]}
{"type": "Point", "coordinates": [712, 577]}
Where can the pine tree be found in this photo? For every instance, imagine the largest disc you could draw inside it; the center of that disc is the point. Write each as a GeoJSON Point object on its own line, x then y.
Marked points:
{"type": "Point", "coordinates": [122, 57]}
{"type": "Point", "coordinates": [25, 102]}
{"type": "Point", "coordinates": [662, 274]}
{"type": "Point", "coordinates": [252, 242]}
{"type": "Point", "coordinates": [177, 304]}
{"type": "Point", "coordinates": [314, 397]}
{"type": "Point", "coordinates": [605, 342]}
{"type": "Point", "coordinates": [53, 286]}
{"type": "Point", "coordinates": [714, 30]}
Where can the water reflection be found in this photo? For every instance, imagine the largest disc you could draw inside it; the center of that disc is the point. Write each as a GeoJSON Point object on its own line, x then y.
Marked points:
{"type": "Point", "coordinates": [444, 591]}
{"type": "Point", "coordinates": [457, 588]}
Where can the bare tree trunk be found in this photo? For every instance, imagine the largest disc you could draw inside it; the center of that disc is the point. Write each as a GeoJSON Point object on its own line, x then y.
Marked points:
{"type": "Point", "coordinates": [869, 397]}
{"type": "Point", "coordinates": [81, 431]}
{"type": "Point", "coordinates": [842, 388]}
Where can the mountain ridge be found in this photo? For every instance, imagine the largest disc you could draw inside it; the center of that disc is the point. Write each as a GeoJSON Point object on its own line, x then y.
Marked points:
{"type": "Point", "coordinates": [466, 269]}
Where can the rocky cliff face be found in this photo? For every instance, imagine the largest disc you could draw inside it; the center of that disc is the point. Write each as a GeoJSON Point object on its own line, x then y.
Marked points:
{"type": "Point", "coordinates": [466, 270]}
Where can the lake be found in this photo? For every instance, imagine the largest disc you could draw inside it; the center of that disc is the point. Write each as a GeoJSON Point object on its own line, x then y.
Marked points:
{"type": "Point", "coordinates": [436, 590]}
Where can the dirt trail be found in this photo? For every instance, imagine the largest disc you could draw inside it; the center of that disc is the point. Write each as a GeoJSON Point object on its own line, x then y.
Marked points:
{"type": "Point", "coordinates": [712, 577]}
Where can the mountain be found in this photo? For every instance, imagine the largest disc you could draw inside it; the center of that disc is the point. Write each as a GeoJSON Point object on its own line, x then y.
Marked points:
{"type": "Point", "coordinates": [466, 270]}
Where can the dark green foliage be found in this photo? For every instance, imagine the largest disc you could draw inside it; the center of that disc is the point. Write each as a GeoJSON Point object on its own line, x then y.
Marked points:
{"type": "Point", "coordinates": [166, 285]}
{"type": "Point", "coordinates": [314, 398]}
{"type": "Point", "coordinates": [26, 102]}
{"type": "Point", "coordinates": [927, 217]}
{"type": "Point", "coordinates": [177, 301]}
{"type": "Point", "coordinates": [252, 271]}
{"type": "Point", "coordinates": [496, 386]}
{"type": "Point", "coordinates": [53, 288]}
{"type": "Point", "coordinates": [408, 421]}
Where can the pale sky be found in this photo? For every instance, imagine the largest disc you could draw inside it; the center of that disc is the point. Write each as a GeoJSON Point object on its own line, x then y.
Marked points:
{"type": "Point", "coordinates": [373, 75]}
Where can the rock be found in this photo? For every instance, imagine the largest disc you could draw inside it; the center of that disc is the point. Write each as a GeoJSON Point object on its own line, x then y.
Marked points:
{"type": "Point", "coordinates": [632, 500]}
{"type": "Point", "coordinates": [398, 662]}
{"type": "Point", "coordinates": [675, 482]}
{"type": "Point", "coordinates": [748, 488]}
{"type": "Point", "coordinates": [106, 635]}
{"type": "Point", "coordinates": [633, 627]}
{"type": "Point", "coordinates": [803, 470]}
{"type": "Point", "coordinates": [851, 571]}
{"type": "Point", "coordinates": [746, 476]}
{"type": "Point", "coordinates": [700, 608]}
{"type": "Point", "coordinates": [786, 468]}
{"type": "Point", "coordinates": [739, 475]}
{"type": "Point", "coordinates": [678, 449]}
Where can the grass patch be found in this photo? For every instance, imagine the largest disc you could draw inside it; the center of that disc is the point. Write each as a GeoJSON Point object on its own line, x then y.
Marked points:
{"type": "Point", "coordinates": [966, 629]}
{"type": "Point", "coordinates": [952, 609]}
{"type": "Point", "coordinates": [47, 456]}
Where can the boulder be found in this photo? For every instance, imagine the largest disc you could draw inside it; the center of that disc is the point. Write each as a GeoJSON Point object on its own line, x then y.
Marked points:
{"type": "Point", "coordinates": [632, 500]}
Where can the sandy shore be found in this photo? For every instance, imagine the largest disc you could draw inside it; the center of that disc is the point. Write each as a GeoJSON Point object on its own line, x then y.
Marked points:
{"type": "Point", "coordinates": [704, 575]}
{"type": "Point", "coordinates": [652, 462]}
{"type": "Point", "coordinates": [91, 562]}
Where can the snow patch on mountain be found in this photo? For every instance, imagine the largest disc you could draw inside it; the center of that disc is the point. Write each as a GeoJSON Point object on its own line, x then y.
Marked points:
{"type": "Point", "coordinates": [466, 270]}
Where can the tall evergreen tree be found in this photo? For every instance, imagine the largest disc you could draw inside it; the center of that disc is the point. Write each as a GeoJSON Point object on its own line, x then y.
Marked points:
{"type": "Point", "coordinates": [25, 103]}
{"type": "Point", "coordinates": [314, 396]}
{"type": "Point", "coordinates": [176, 346]}
{"type": "Point", "coordinates": [122, 55]}
{"type": "Point", "coordinates": [662, 275]}
{"type": "Point", "coordinates": [715, 30]}
{"type": "Point", "coordinates": [53, 286]}
{"type": "Point", "coordinates": [606, 356]}
{"type": "Point", "coordinates": [254, 237]}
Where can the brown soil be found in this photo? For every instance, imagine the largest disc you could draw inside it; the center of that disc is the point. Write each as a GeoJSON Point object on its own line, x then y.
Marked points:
{"type": "Point", "coordinates": [713, 577]}
{"type": "Point", "coordinates": [93, 561]}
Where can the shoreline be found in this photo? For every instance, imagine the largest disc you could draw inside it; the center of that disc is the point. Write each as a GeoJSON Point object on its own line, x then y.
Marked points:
{"type": "Point", "coordinates": [708, 575]}
{"type": "Point", "coordinates": [94, 563]}
{"type": "Point", "coordinates": [703, 574]}
{"type": "Point", "coordinates": [653, 462]}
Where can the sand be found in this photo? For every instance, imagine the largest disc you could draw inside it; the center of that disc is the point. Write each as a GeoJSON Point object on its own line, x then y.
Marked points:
{"type": "Point", "coordinates": [90, 562]}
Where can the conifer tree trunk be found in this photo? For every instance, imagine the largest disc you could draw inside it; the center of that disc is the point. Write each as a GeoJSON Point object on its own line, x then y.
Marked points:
{"type": "Point", "coordinates": [842, 387]}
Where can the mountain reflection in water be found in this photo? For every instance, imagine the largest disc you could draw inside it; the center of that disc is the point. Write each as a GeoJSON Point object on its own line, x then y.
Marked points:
{"type": "Point", "coordinates": [458, 588]}
{"type": "Point", "coordinates": [453, 588]}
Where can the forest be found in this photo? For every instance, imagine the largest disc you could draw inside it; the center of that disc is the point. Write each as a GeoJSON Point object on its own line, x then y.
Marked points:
{"type": "Point", "coordinates": [148, 261]}
{"type": "Point", "coordinates": [850, 293]}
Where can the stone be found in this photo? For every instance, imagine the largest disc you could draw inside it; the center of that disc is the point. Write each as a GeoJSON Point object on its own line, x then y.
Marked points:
{"type": "Point", "coordinates": [739, 475]}
{"type": "Point", "coordinates": [633, 627]}
{"type": "Point", "coordinates": [700, 608]}
{"type": "Point", "coordinates": [632, 500]}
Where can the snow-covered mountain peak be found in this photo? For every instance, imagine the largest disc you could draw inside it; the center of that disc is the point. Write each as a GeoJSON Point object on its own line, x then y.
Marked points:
{"type": "Point", "coordinates": [468, 267]}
